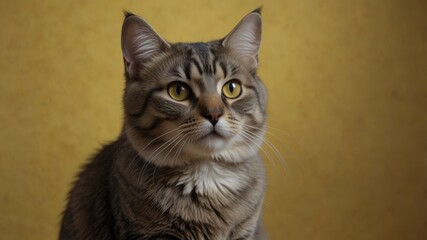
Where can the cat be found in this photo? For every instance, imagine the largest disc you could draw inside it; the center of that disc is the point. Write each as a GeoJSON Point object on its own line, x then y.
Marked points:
{"type": "Point", "coordinates": [186, 164]}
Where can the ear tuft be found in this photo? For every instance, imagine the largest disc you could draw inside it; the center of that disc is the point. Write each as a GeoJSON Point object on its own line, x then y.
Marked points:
{"type": "Point", "coordinates": [127, 13]}
{"type": "Point", "coordinates": [245, 39]}
{"type": "Point", "coordinates": [140, 43]}
{"type": "Point", "coordinates": [258, 10]}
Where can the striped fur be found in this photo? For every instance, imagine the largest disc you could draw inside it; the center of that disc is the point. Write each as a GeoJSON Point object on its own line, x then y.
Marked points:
{"type": "Point", "coordinates": [174, 173]}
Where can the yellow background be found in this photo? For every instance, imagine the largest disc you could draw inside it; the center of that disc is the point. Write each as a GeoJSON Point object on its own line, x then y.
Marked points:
{"type": "Point", "coordinates": [348, 91]}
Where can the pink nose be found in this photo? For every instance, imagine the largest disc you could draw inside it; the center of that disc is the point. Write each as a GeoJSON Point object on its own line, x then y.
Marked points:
{"type": "Point", "coordinates": [212, 115]}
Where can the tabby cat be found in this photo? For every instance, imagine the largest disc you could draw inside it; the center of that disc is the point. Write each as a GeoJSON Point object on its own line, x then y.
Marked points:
{"type": "Point", "coordinates": [186, 164]}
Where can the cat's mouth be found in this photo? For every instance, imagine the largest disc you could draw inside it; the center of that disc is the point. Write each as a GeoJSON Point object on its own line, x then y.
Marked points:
{"type": "Point", "coordinates": [213, 135]}
{"type": "Point", "coordinates": [212, 141]}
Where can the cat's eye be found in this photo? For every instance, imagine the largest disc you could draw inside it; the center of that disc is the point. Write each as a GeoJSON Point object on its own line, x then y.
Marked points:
{"type": "Point", "coordinates": [178, 91]}
{"type": "Point", "coordinates": [232, 89]}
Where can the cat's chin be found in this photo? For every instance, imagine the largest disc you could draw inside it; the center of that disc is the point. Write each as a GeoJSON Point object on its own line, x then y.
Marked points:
{"type": "Point", "coordinates": [211, 143]}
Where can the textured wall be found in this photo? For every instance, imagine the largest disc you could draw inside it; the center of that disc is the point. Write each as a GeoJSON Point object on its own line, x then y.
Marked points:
{"type": "Point", "coordinates": [347, 82]}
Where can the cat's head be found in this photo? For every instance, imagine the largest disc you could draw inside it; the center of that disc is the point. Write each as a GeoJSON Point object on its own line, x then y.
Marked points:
{"type": "Point", "coordinates": [190, 101]}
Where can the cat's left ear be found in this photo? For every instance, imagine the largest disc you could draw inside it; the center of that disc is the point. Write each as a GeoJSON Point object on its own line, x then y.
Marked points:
{"type": "Point", "coordinates": [140, 43]}
{"type": "Point", "coordinates": [245, 39]}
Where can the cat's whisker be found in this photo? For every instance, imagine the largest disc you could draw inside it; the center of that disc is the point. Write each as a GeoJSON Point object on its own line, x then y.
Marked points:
{"type": "Point", "coordinates": [267, 155]}
{"type": "Point", "coordinates": [269, 127]}
{"type": "Point", "coordinates": [141, 172]}
{"type": "Point", "coordinates": [281, 131]}
{"type": "Point", "coordinates": [145, 164]}
{"type": "Point", "coordinates": [252, 139]}
{"type": "Point", "coordinates": [182, 148]}
{"type": "Point", "coordinates": [131, 162]}
{"type": "Point", "coordinates": [278, 155]}
{"type": "Point", "coordinates": [276, 152]}
{"type": "Point", "coordinates": [259, 145]}
{"type": "Point", "coordinates": [164, 146]}
{"type": "Point", "coordinates": [176, 144]}
{"type": "Point", "coordinates": [267, 131]}
{"type": "Point", "coordinates": [288, 148]}
{"type": "Point", "coordinates": [282, 143]}
{"type": "Point", "coordinates": [175, 140]}
{"type": "Point", "coordinates": [168, 140]}
{"type": "Point", "coordinates": [162, 135]}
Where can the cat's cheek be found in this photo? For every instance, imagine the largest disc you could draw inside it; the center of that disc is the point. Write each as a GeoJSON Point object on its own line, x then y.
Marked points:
{"type": "Point", "coordinates": [254, 118]}
{"type": "Point", "coordinates": [258, 117]}
{"type": "Point", "coordinates": [223, 129]}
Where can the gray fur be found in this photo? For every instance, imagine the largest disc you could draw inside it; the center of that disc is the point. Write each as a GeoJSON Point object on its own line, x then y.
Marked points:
{"type": "Point", "coordinates": [172, 174]}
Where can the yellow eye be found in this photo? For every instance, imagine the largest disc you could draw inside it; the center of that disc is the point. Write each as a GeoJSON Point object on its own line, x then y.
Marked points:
{"type": "Point", "coordinates": [232, 89]}
{"type": "Point", "coordinates": [178, 91]}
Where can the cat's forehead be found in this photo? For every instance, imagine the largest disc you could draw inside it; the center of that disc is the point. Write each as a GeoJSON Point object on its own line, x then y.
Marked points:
{"type": "Point", "coordinates": [201, 49]}
{"type": "Point", "coordinates": [201, 60]}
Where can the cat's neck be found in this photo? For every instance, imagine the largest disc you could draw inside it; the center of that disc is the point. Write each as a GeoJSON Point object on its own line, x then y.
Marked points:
{"type": "Point", "coordinates": [211, 178]}
{"type": "Point", "coordinates": [205, 177]}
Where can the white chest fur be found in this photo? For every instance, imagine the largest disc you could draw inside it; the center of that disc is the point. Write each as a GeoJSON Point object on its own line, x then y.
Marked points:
{"type": "Point", "coordinates": [210, 178]}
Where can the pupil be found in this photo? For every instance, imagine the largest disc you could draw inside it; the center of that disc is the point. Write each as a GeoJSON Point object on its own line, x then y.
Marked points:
{"type": "Point", "coordinates": [178, 90]}
{"type": "Point", "coordinates": [231, 87]}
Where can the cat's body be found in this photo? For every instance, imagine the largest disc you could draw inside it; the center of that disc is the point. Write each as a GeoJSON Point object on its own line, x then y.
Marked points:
{"type": "Point", "coordinates": [112, 202]}
{"type": "Point", "coordinates": [186, 164]}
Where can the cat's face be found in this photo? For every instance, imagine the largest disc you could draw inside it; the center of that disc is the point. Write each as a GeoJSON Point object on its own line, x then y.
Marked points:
{"type": "Point", "coordinates": [190, 101]}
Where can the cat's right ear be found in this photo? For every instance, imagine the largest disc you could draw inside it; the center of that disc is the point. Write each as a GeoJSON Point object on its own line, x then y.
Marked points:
{"type": "Point", "coordinates": [140, 43]}
{"type": "Point", "coordinates": [245, 39]}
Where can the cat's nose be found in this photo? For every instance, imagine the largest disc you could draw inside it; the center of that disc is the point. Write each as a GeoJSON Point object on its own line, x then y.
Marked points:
{"type": "Point", "coordinates": [213, 115]}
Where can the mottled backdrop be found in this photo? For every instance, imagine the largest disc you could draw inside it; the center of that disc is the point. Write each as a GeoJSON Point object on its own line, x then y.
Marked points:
{"type": "Point", "coordinates": [347, 110]}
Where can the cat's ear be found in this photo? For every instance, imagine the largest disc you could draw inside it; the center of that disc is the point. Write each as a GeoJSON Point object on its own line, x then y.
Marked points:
{"type": "Point", "coordinates": [245, 39]}
{"type": "Point", "coordinates": [140, 42]}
